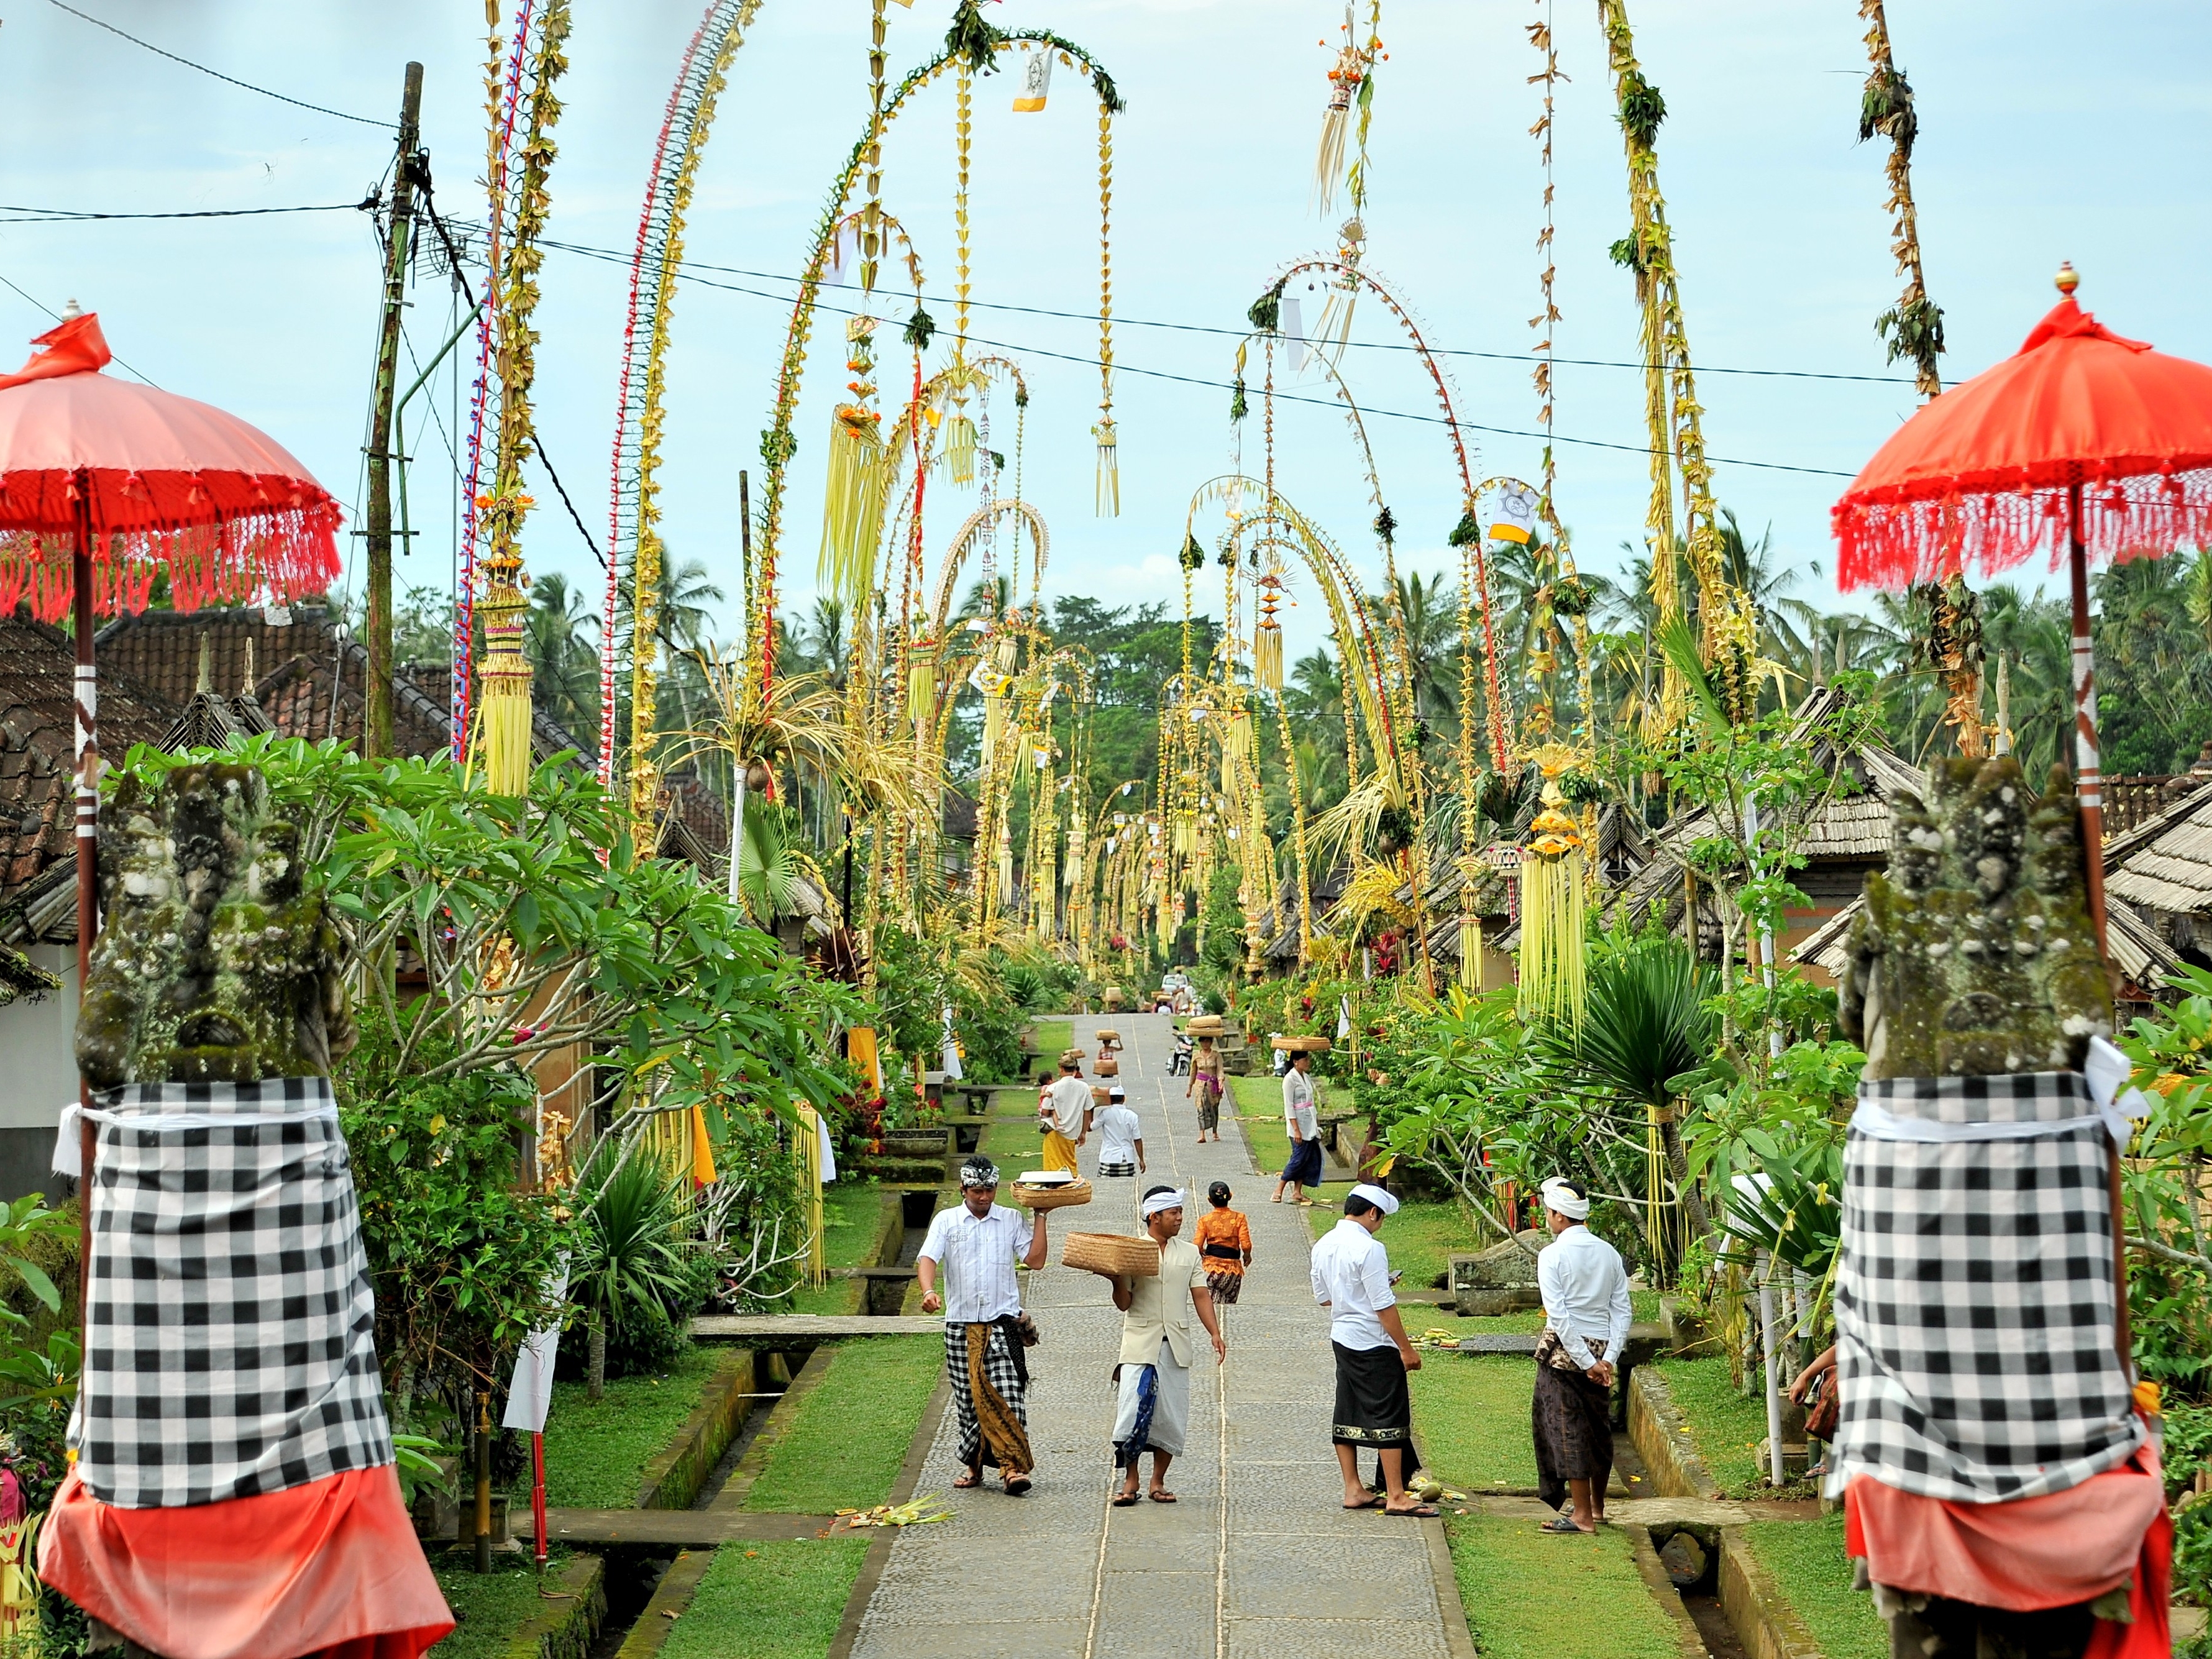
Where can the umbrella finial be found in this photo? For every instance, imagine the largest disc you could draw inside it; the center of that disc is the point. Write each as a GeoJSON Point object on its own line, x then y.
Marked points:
{"type": "Point", "coordinates": [2068, 279]}
{"type": "Point", "coordinates": [71, 308]}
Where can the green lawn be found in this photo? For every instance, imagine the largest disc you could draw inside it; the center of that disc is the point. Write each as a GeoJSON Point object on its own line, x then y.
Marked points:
{"type": "Point", "coordinates": [844, 1447]}
{"type": "Point", "coordinates": [769, 1601]}
{"type": "Point", "coordinates": [1531, 1596]}
{"type": "Point", "coordinates": [1726, 1427]}
{"type": "Point", "coordinates": [1055, 1037]}
{"type": "Point", "coordinates": [1471, 1416]}
{"type": "Point", "coordinates": [1806, 1560]}
{"type": "Point", "coordinates": [596, 1452]}
{"type": "Point", "coordinates": [492, 1607]}
{"type": "Point", "coordinates": [1013, 1143]}
{"type": "Point", "coordinates": [852, 1221]}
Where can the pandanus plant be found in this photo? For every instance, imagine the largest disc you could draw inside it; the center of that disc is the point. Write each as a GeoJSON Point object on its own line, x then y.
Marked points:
{"type": "Point", "coordinates": [636, 1248]}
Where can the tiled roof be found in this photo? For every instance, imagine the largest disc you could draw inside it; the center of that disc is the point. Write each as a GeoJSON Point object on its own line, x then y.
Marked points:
{"type": "Point", "coordinates": [37, 723]}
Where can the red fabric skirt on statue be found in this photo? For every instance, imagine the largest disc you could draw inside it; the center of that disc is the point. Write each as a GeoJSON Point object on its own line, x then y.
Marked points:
{"type": "Point", "coordinates": [334, 1562]}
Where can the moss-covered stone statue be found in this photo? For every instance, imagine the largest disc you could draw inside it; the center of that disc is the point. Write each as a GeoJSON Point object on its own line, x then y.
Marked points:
{"type": "Point", "coordinates": [1974, 954]}
{"type": "Point", "coordinates": [215, 963]}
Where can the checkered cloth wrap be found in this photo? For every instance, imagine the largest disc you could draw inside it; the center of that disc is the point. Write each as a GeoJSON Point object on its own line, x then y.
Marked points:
{"type": "Point", "coordinates": [1974, 1300]}
{"type": "Point", "coordinates": [230, 1344]}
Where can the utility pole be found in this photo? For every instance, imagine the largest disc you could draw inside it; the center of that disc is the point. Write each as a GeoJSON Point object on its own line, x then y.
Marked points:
{"type": "Point", "coordinates": [377, 739]}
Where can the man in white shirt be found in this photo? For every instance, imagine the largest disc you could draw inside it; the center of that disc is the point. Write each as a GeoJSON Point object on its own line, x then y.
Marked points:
{"type": "Point", "coordinates": [1064, 1109]}
{"type": "Point", "coordinates": [976, 1245]}
{"type": "Point", "coordinates": [1302, 1121]}
{"type": "Point", "coordinates": [1120, 1137]}
{"type": "Point", "coordinates": [1586, 1315]}
{"type": "Point", "coordinates": [1351, 1278]}
{"type": "Point", "coordinates": [1152, 1381]}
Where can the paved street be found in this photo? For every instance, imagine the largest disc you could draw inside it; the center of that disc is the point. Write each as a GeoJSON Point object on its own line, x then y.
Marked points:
{"type": "Point", "coordinates": [1258, 1558]}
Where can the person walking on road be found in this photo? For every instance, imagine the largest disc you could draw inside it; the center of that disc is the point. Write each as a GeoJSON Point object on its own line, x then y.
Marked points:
{"type": "Point", "coordinates": [1064, 1113]}
{"type": "Point", "coordinates": [1351, 1278]}
{"type": "Point", "coordinates": [1586, 1313]}
{"type": "Point", "coordinates": [1205, 1084]}
{"type": "Point", "coordinates": [976, 1245]}
{"type": "Point", "coordinates": [1224, 1239]}
{"type": "Point", "coordinates": [1302, 1119]}
{"type": "Point", "coordinates": [1152, 1407]}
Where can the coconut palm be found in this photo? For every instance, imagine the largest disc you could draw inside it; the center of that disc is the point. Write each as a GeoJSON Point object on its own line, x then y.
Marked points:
{"type": "Point", "coordinates": [564, 668]}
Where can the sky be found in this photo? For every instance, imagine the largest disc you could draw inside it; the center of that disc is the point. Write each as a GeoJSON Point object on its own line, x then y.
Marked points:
{"type": "Point", "coordinates": [2046, 133]}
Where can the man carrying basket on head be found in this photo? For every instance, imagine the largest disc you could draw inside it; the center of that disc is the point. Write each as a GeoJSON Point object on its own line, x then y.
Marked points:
{"type": "Point", "coordinates": [976, 1245]}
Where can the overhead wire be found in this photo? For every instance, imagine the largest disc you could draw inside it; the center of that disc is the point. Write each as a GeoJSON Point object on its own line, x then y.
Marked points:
{"type": "Point", "coordinates": [1224, 386]}
{"type": "Point", "coordinates": [33, 215]}
{"type": "Point", "coordinates": [231, 80]}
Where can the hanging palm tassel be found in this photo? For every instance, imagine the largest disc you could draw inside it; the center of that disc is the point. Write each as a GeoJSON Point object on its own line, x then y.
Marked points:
{"type": "Point", "coordinates": [1552, 976]}
{"type": "Point", "coordinates": [960, 440]}
{"type": "Point", "coordinates": [921, 682]}
{"type": "Point", "coordinates": [1108, 495]}
{"type": "Point", "coordinates": [853, 505]}
{"type": "Point", "coordinates": [994, 727]}
{"type": "Point", "coordinates": [502, 747]}
{"type": "Point", "coordinates": [1267, 637]}
{"type": "Point", "coordinates": [1470, 950]}
{"type": "Point", "coordinates": [1005, 864]}
{"type": "Point", "coordinates": [1344, 76]}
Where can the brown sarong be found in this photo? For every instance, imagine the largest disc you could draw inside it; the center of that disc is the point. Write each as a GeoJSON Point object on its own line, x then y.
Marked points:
{"type": "Point", "coordinates": [989, 1395]}
{"type": "Point", "coordinates": [1571, 1419]}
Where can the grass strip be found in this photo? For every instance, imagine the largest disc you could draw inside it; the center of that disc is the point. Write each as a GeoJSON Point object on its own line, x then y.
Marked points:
{"type": "Point", "coordinates": [1471, 1416]}
{"type": "Point", "coordinates": [492, 1607]}
{"type": "Point", "coordinates": [852, 1221]}
{"type": "Point", "coordinates": [1055, 1037]}
{"type": "Point", "coordinates": [1531, 1596]}
{"type": "Point", "coordinates": [1725, 1426]}
{"type": "Point", "coordinates": [848, 1437]}
{"type": "Point", "coordinates": [769, 1601]}
{"type": "Point", "coordinates": [596, 1450]}
{"type": "Point", "coordinates": [1806, 1560]}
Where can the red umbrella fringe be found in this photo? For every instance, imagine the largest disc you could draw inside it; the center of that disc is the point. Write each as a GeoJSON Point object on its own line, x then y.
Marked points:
{"type": "Point", "coordinates": [291, 553]}
{"type": "Point", "coordinates": [1999, 525]}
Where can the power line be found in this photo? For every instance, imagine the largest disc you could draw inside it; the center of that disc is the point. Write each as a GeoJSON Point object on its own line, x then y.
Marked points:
{"type": "Point", "coordinates": [35, 215]}
{"type": "Point", "coordinates": [36, 304]}
{"type": "Point", "coordinates": [1239, 333]}
{"type": "Point", "coordinates": [1223, 385]}
{"type": "Point", "coordinates": [232, 80]}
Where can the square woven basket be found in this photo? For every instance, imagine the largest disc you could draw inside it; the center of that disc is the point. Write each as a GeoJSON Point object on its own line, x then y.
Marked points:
{"type": "Point", "coordinates": [1112, 1254]}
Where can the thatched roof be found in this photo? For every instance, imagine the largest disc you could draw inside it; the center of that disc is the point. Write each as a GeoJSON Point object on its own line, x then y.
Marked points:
{"type": "Point", "coordinates": [2165, 863]}
{"type": "Point", "coordinates": [2138, 953]}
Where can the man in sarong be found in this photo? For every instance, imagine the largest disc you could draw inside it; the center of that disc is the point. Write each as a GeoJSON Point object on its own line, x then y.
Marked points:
{"type": "Point", "coordinates": [1351, 1278]}
{"type": "Point", "coordinates": [1064, 1108]}
{"type": "Point", "coordinates": [976, 1246]}
{"type": "Point", "coordinates": [1152, 1410]}
{"type": "Point", "coordinates": [1585, 1290]}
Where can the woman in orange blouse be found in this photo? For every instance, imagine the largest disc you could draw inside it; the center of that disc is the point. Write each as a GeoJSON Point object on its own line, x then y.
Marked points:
{"type": "Point", "coordinates": [1224, 1242]}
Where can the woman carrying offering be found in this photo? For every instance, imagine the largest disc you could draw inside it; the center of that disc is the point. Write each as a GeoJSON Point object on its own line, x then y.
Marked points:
{"type": "Point", "coordinates": [1225, 1240]}
{"type": "Point", "coordinates": [1206, 1083]}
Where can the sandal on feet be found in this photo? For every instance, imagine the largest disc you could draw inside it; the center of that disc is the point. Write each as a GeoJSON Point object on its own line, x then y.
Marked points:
{"type": "Point", "coordinates": [1367, 1502]}
{"type": "Point", "coordinates": [1161, 1495]}
{"type": "Point", "coordinates": [1017, 1484]}
{"type": "Point", "coordinates": [1418, 1511]}
{"type": "Point", "coordinates": [1123, 1500]}
{"type": "Point", "coordinates": [970, 1478]}
{"type": "Point", "coordinates": [1561, 1524]}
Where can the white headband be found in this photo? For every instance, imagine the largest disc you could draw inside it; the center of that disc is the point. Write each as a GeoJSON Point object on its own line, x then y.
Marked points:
{"type": "Point", "coordinates": [1169, 1199]}
{"type": "Point", "coordinates": [1558, 1197]}
{"type": "Point", "coordinates": [1375, 1195]}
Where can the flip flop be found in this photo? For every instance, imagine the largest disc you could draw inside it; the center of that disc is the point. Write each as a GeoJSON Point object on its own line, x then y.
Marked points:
{"type": "Point", "coordinates": [1161, 1497]}
{"type": "Point", "coordinates": [1418, 1511]}
{"type": "Point", "coordinates": [1123, 1500]}
{"type": "Point", "coordinates": [1563, 1525]}
{"type": "Point", "coordinates": [1017, 1484]}
{"type": "Point", "coordinates": [1367, 1502]}
{"type": "Point", "coordinates": [968, 1481]}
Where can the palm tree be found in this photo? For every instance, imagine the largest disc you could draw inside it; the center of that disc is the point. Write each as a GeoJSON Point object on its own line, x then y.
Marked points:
{"type": "Point", "coordinates": [1430, 613]}
{"type": "Point", "coordinates": [564, 668]}
{"type": "Point", "coordinates": [635, 1248]}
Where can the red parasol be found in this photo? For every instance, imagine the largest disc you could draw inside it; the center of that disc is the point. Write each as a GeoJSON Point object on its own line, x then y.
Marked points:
{"type": "Point", "coordinates": [104, 482]}
{"type": "Point", "coordinates": [2082, 443]}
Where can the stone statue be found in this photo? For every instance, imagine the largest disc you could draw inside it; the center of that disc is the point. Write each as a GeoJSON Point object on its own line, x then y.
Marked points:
{"type": "Point", "coordinates": [1974, 954]}
{"type": "Point", "coordinates": [215, 963]}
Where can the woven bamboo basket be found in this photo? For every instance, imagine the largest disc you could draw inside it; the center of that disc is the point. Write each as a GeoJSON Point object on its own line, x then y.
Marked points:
{"type": "Point", "coordinates": [1063, 1196]}
{"type": "Point", "coordinates": [1111, 1254]}
{"type": "Point", "coordinates": [1101, 1096]}
{"type": "Point", "coordinates": [1108, 1038]}
{"type": "Point", "coordinates": [1108, 1067]}
{"type": "Point", "coordinates": [1206, 1025]}
{"type": "Point", "coordinates": [1302, 1045]}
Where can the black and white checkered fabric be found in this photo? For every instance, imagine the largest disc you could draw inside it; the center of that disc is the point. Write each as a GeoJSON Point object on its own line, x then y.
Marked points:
{"type": "Point", "coordinates": [229, 1342]}
{"type": "Point", "coordinates": [999, 1370]}
{"type": "Point", "coordinates": [1975, 1298]}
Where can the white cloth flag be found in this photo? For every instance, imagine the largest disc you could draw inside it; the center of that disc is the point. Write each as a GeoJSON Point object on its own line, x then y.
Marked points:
{"type": "Point", "coordinates": [530, 1395]}
{"type": "Point", "coordinates": [1292, 320]}
{"type": "Point", "coordinates": [1037, 82]}
{"type": "Point", "coordinates": [1343, 1018]}
{"type": "Point", "coordinates": [952, 1072]}
{"type": "Point", "coordinates": [828, 1151]}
